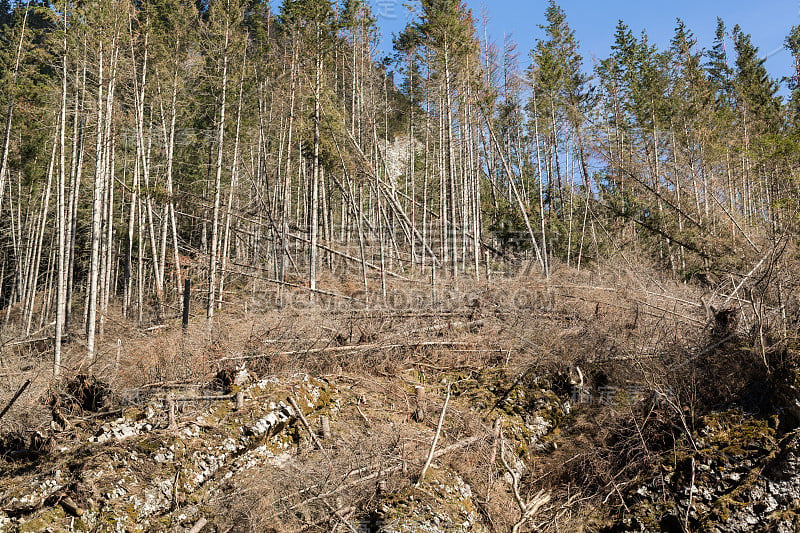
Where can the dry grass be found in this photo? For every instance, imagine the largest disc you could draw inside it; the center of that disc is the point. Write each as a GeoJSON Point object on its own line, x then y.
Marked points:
{"type": "Point", "coordinates": [621, 324]}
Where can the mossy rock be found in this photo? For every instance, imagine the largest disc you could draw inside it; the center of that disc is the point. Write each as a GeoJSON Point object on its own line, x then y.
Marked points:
{"type": "Point", "coordinates": [443, 502]}
{"type": "Point", "coordinates": [54, 520]}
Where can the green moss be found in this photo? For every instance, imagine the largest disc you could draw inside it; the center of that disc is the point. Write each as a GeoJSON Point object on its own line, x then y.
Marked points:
{"type": "Point", "coordinates": [439, 500]}
{"type": "Point", "coordinates": [134, 413]}
{"type": "Point", "coordinates": [733, 428]}
{"type": "Point", "coordinates": [49, 518]}
{"type": "Point", "coordinates": [723, 509]}
{"type": "Point", "coordinates": [149, 445]}
{"type": "Point", "coordinates": [734, 451]}
{"type": "Point", "coordinates": [729, 439]}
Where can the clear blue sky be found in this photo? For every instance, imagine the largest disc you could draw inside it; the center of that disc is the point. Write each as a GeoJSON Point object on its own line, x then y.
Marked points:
{"type": "Point", "coordinates": [768, 21]}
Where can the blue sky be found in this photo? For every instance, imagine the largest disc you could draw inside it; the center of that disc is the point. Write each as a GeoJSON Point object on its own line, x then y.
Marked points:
{"type": "Point", "coordinates": [768, 21]}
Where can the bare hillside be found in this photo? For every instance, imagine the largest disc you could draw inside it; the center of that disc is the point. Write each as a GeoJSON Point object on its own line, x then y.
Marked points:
{"type": "Point", "coordinates": [585, 402]}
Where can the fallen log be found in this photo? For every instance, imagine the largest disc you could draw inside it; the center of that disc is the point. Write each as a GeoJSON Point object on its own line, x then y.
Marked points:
{"type": "Point", "coordinates": [15, 398]}
{"type": "Point", "coordinates": [346, 349]}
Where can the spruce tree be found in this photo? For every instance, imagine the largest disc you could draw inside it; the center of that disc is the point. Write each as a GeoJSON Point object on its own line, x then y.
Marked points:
{"type": "Point", "coordinates": [755, 92]}
{"type": "Point", "coordinates": [558, 109]}
{"type": "Point", "coordinates": [792, 44]}
{"type": "Point", "coordinates": [718, 65]}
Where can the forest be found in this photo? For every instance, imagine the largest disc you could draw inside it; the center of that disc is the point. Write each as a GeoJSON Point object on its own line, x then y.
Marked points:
{"type": "Point", "coordinates": [247, 157]}
{"type": "Point", "coordinates": [146, 143]}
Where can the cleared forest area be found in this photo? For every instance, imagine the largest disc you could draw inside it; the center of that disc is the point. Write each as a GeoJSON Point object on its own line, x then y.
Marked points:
{"type": "Point", "coordinates": [254, 278]}
{"type": "Point", "coordinates": [611, 400]}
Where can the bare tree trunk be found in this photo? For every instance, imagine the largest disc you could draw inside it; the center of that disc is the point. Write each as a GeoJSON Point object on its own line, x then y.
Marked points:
{"type": "Point", "coordinates": [106, 249]}
{"type": "Point", "coordinates": [131, 233]}
{"type": "Point", "coordinates": [170, 190]}
{"type": "Point", "coordinates": [233, 185]}
{"type": "Point", "coordinates": [517, 196]}
{"type": "Point", "coordinates": [61, 288]}
{"type": "Point", "coordinates": [544, 260]}
{"type": "Point", "coordinates": [78, 136]}
{"type": "Point", "coordinates": [287, 183]}
{"type": "Point", "coordinates": [213, 251]}
{"type": "Point", "coordinates": [38, 239]}
{"type": "Point", "coordinates": [314, 200]}
{"type": "Point", "coordinates": [97, 212]}
{"type": "Point", "coordinates": [10, 112]}
{"type": "Point", "coordinates": [108, 263]}
{"type": "Point", "coordinates": [451, 164]}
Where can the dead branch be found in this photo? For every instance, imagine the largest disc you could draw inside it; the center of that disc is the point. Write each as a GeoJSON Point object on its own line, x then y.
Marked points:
{"type": "Point", "coordinates": [302, 418]}
{"type": "Point", "coordinates": [383, 471]}
{"type": "Point", "coordinates": [366, 420]}
{"type": "Point", "coordinates": [435, 439]}
{"type": "Point", "coordinates": [15, 398]}
{"type": "Point", "coordinates": [449, 325]}
{"type": "Point", "coordinates": [349, 257]}
{"type": "Point", "coordinates": [338, 514]}
{"type": "Point", "coordinates": [198, 526]}
{"type": "Point", "coordinates": [527, 509]}
{"type": "Point", "coordinates": [346, 349]}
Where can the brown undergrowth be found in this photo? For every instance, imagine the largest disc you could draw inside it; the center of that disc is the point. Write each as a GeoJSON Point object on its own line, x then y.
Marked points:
{"type": "Point", "coordinates": [592, 375]}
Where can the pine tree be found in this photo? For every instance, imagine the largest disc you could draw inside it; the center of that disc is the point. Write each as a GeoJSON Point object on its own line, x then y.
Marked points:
{"type": "Point", "coordinates": [756, 92]}
{"type": "Point", "coordinates": [446, 31]}
{"type": "Point", "coordinates": [223, 31]}
{"type": "Point", "coordinates": [792, 44]}
{"type": "Point", "coordinates": [313, 22]}
{"type": "Point", "coordinates": [718, 66]}
{"type": "Point", "coordinates": [558, 109]}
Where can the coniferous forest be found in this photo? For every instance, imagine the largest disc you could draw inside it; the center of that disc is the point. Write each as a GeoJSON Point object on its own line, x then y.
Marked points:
{"type": "Point", "coordinates": [498, 222]}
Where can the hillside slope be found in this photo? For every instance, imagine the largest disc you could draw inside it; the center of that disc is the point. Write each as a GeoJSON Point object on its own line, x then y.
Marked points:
{"type": "Point", "coordinates": [584, 402]}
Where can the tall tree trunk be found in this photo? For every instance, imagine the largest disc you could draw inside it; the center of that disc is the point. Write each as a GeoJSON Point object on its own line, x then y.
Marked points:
{"type": "Point", "coordinates": [97, 213]}
{"type": "Point", "coordinates": [62, 222]}
{"type": "Point", "coordinates": [76, 172]}
{"type": "Point", "coordinates": [213, 250]}
{"type": "Point", "coordinates": [544, 259]}
{"type": "Point", "coordinates": [314, 192]}
{"type": "Point", "coordinates": [233, 184]}
{"type": "Point", "coordinates": [10, 111]}
{"type": "Point", "coordinates": [38, 239]}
